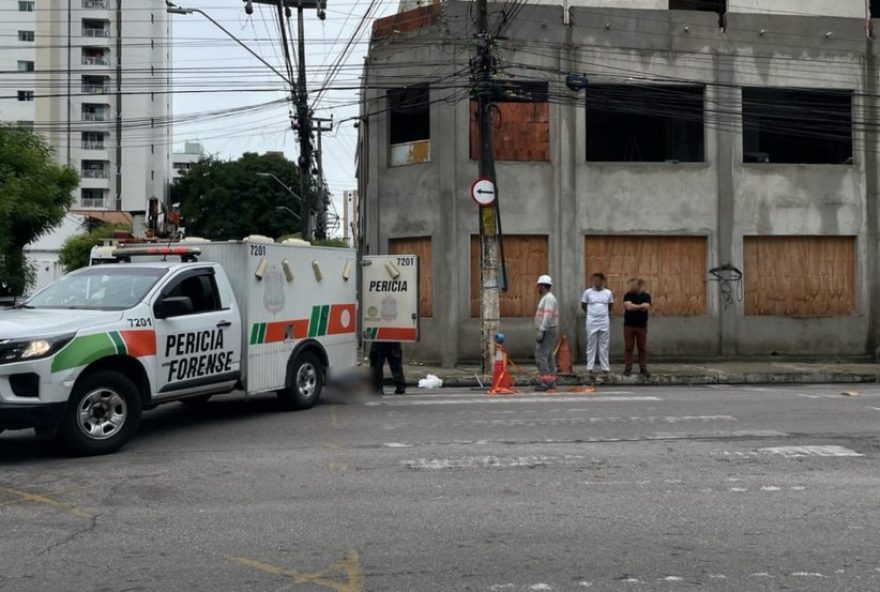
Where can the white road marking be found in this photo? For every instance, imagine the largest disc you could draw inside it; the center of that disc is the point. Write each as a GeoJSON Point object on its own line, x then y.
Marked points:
{"type": "Point", "coordinates": [761, 574]}
{"type": "Point", "coordinates": [585, 584]}
{"type": "Point", "coordinates": [798, 451]}
{"type": "Point", "coordinates": [630, 581]}
{"type": "Point", "coordinates": [396, 445]}
{"type": "Point", "coordinates": [717, 577]}
{"type": "Point", "coordinates": [499, 400]}
{"type": "Point", "coordinates": [804, 574]}
{"type": "Point", "coordinates": [874, 408]}
{"type": "Point", "coordinates": [491, 462]}
{"type": "Point", "coordinates": [673, 579]}
{"type": "Point", "coordinates": [540, 587]}
{"type": "Point", "coordinates": [770, 488]}
{"type": "Point", "coordinates": [738, 489]}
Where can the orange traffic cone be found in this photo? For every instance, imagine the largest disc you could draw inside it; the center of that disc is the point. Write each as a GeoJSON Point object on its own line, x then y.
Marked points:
{"type": "Point", "coordinates": [501, 383]}
{"type": "Point", "coordinates": [563, 357]}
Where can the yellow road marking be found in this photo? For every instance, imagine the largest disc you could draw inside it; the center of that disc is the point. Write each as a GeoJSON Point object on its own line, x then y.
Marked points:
{"type": "Point", "coordinates": [349, 568]}
{"type": "Point", "coordinates": [24, 496]}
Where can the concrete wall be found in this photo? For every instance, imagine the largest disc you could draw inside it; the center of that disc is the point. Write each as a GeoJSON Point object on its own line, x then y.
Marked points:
{"type": "Point", "coordinates": [568, 198]}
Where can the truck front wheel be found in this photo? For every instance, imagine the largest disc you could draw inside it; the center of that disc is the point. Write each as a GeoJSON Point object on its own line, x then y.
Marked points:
{"type": "Point", "coordinates": [103, 414]}
{"type": "Point", "coordinates": [306, 382]}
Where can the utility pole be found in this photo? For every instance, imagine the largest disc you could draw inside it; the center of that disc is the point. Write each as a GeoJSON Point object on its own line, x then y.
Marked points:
{"type": "Point", "coordinates": [303, 123]}
{"type": "Point", "coordinates": [490, 286]}
{"type": "Point", "coordinates": [321, 207]}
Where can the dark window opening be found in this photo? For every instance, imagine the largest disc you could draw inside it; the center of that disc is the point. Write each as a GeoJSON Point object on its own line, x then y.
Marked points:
{"type": "Point", "coordinates": [201, 290]}
{"type": "Point", "coordinates": [719, 6]}
{"type": "Point", "coordinates": [797, 126]}
{"type": "Point", "coordinates": [409, 114]}
{"type": "Point", "coordinates": [645, 124]}
{"type": "Point", "coordinates": [875, 8]}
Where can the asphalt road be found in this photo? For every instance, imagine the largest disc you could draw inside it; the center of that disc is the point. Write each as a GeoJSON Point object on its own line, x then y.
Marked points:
{"type": "Point", "coordinates": [711, 489]}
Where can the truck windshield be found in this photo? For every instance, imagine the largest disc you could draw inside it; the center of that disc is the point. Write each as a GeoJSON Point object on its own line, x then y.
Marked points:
{"type": "Point", "coordinates": [99, 288]}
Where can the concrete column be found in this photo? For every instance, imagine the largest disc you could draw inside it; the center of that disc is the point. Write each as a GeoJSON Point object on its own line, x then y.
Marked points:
{"type": "Point", "coordinates": [872, 250]}
{"type": "Point", "coordinates": [445, 240]}
{"type": "Point", "coordinates": [726, 134]}
{"type": "Point", "coordinates": [567, 241]}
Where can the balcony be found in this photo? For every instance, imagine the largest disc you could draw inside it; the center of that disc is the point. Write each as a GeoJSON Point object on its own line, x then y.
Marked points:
{"type": "Point", "coordinates": [95, 116]}
{"type": "Point", "coordinates": [94, 203]}
{"type": "Point", "coordinates": [96, 60]}
{"type": "Point", "coordinates": [95, 173]}
{"type": "Point", "coordinates": [96, 4]}
{"type": "Point", "coordinates": [93, 145]}
{"type": "Point", "coordinates": [95, 89]}
{"type": "Point", "coordinates": [96, 31]}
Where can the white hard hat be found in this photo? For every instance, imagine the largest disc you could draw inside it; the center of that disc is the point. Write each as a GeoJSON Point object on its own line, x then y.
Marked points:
{"type": "Point", "coordinates": [546, 280]}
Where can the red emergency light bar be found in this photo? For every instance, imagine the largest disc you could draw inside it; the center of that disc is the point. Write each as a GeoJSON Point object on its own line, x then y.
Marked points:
{"type": "Point", "coordinates": [184, 253]}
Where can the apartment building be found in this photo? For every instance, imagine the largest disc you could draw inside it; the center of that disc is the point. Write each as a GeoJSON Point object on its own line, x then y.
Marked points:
{"type": "Point", "coordinates": [93, 77]}
{"type": "Point", "coordinates": [737, 133]}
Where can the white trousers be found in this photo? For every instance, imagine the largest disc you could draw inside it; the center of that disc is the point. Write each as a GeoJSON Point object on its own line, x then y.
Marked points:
{"type": "Point", "coordinates": [598, 339]}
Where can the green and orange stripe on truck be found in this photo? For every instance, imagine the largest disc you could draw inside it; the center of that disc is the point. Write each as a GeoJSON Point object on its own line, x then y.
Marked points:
{"type": "Point", "coordinates": [325, 319]}
{"type": "Point", "coordinates": [85, 349]}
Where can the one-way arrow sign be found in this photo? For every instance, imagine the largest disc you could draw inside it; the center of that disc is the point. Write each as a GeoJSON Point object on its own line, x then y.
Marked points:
{"type": "Point", "coordinates": [483, 192]}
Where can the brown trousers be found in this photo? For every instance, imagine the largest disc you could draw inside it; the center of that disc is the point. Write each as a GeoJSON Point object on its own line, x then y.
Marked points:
{"type": "Point", "coordinates": [632, 337]}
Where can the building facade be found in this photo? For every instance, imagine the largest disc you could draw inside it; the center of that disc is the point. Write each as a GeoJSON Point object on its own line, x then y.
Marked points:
{"type": "Point", "coordinates": [183, 160]}
{"type": "Point", "coordinates": [94, 79]}
{"type": "Point", "coordinates": [712, 133]}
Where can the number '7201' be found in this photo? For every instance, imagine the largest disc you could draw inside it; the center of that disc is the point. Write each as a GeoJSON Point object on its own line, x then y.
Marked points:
{"type": "Point", "coordinates": [406, 261]}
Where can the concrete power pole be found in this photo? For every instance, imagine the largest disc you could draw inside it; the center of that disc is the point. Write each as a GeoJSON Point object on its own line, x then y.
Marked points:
{"type": "Point", "coordinates": [490, 278]}
{"type": "Point", "coordinates": [322, 194]}
{"type": "Point", "coordinates": [303, 112]}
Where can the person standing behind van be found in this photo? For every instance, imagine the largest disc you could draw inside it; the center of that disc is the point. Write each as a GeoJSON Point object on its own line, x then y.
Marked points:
{"type": "Point", "coordinates": [597, 302]}
{"type": "Point", "coordinates": [636, 303]}
{"type": "Point", "coordinates": [546, 333]}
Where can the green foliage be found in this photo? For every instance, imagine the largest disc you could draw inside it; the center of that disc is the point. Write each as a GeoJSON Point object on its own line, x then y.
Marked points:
{"type": "Point", "coordinates": [35, 193]}
{"type": "Point", "coordinates": [224, 200]}
{"type": "Point", "coordinates": [76, 250]}
{"type": "Point", "coordinates": [331, 242]}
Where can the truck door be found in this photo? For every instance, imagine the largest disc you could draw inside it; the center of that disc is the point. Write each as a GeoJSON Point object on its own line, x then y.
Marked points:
{"type": "Point", "coordinates": [198, 341]}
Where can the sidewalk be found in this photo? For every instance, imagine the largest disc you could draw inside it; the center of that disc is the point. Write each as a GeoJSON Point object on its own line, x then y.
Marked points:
{"type": "Point", "coordinates": [675, 374]}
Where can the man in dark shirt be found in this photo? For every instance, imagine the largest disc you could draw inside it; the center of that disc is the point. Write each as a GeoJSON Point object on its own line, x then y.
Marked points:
{"type": "Point", "coordinates": [636, 304]}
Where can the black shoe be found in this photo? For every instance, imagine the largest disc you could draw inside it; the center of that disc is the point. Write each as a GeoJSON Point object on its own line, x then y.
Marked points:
{"type": "Point", "coordinates": [400, 391]}
{"type": "Point", "coordinates": [628, 372]}
{"type": "Point", "coordinates": [645, 373]}
{"type": "Point", "coordinates": [541, 388]}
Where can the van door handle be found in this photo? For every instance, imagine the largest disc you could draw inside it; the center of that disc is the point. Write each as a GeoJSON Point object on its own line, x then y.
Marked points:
{"type": "Point", "coordinates": [224, 324]}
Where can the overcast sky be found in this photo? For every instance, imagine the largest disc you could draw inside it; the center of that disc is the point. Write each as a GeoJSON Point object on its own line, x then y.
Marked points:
{"type": "Point", "coordinates": [206, 59]}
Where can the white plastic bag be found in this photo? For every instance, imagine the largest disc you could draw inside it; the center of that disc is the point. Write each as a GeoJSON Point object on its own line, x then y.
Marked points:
{"type": "Point", "coordinates": [430, 382]}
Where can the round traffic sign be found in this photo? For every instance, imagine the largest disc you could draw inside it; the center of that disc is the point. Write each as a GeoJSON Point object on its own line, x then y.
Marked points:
{"type": "Point", "coordinates": [483, 192]}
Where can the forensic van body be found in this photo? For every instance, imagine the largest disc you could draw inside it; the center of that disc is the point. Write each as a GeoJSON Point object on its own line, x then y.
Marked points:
{"type": "Point", "coordinates": [83, 357]}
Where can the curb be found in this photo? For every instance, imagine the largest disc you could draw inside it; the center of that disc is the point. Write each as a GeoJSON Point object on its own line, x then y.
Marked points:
{"type": "Point", "coordinates": [733, 378]}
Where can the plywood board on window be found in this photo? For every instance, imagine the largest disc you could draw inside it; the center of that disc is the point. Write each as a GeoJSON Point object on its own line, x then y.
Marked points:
{"type": "Point", "coordinates": [421, 247]}
{"type": "Point", "coordinates": [674, 268]}
{"type": "Point", "coordinates": [526, 257]}
{"type": "Point", "coordinates": [521, 131]}
{"type": "Point", "coordinates": [799, 275]}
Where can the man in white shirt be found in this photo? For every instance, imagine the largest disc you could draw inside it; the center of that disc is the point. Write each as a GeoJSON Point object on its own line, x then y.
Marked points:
{"type": "Point", "coordinates": [546, 333]}
{"type": "Point", "coordinates": [597, 302]}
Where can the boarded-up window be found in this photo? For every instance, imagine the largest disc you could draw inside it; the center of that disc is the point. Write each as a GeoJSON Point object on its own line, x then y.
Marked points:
{"type": "Point", "coordinates": [521, 131]}
{"type": "Point", "coordinates": [421, 247]}
{"type": "Point", "coordinates": [526, 258]}
{"type": "Point", "coordinates": [799, 275]}
{"type": "Point", "coordinates": [674, 268]}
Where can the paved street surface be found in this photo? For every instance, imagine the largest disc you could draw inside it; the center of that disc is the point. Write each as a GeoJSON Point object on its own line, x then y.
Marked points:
{"type": "Point", "coordinates": [734, 489]}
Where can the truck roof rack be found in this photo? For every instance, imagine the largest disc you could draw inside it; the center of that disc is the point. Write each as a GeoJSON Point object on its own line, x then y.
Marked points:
{"type": "Point", "coordinates": [185, 253]}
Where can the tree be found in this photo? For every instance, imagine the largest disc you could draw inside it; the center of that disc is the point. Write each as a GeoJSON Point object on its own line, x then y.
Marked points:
{"type": "Point", "coordinates": [35, 193]}
{"type": "Point", "coordinates": [227, 200]}
{"type": "Point", "coordinates": [76, 250]}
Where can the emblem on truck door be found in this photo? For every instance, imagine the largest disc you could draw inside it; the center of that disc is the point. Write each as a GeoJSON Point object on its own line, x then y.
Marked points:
{"type": "Point", "coordinates": [273, 297]}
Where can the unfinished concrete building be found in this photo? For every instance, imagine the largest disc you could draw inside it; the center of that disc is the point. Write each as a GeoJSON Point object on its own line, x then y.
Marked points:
{"type": "Point", "coordinates": [712, 132]}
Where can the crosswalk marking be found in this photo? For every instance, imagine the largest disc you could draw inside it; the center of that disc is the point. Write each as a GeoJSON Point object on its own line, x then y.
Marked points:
{"type": "Point", "coordinates": [797, 451]}
{"type": "Point", "coordinates": [500, 400]}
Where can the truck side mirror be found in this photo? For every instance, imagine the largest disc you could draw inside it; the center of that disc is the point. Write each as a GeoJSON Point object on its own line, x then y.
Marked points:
{"type": "Point", "coordinates": [173, 306]}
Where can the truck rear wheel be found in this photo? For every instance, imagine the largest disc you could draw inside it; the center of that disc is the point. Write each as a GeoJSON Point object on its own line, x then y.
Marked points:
{"type": "Point", "coordinates": [306, 382]}
{"type": "Point", "coordinates": [103, 413]}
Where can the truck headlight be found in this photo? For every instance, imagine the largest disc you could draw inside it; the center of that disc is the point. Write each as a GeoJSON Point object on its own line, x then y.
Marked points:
{"type": "Point", "coordinates": [31, 349]}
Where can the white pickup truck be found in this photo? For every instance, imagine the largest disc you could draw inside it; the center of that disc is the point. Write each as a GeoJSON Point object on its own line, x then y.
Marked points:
{"type": "Point", "coordinates": [83, 358]}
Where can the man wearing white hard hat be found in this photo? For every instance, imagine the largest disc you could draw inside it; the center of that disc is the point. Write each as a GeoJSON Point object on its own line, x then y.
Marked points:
{"type": "Point", "coordinates": [546, 333]}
